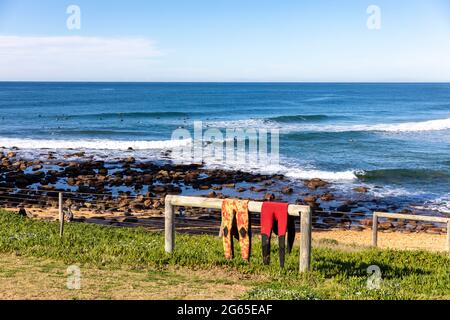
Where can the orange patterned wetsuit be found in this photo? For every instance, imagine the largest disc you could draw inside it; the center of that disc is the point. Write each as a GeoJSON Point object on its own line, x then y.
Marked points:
{"type": "Point", "coordinates": [236, 211]}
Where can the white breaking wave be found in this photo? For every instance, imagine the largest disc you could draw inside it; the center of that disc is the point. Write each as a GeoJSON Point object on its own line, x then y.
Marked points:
{"type": "Point", "coordinates": [441, 204]}
{"type": "Point", "coordinates": [242, 124]}
{"type": "Point", "coordinates": [430, 125]}
{"type": "Point", "coordinates": [91, 144]}
{"type": "Point", "coordinates": [292, 171]}
{"type": "Point", "coordinates": [389, 191]}
{"type": "Point", "coordinates": [297, 173]}
{"type": "Point", "coordinates": [420, 126]}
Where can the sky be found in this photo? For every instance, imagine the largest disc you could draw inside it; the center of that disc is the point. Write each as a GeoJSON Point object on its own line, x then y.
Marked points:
{"type": "Point", "coordinates": [226, 40]}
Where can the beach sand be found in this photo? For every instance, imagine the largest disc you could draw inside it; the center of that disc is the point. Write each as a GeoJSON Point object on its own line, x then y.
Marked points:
{"type": "Point", "coordinates": [386, 240]}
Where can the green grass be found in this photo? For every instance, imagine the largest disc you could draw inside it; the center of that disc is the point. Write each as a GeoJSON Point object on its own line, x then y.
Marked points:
{"type": "Point", "coordinates": [337, 274]}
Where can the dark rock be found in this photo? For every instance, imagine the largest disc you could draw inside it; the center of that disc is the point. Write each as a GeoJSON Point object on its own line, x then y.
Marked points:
{"type": "Point", "coordinates": [212, 194]}
{"type": "Point", "coordinates": [315, 183]}
{"type": "Point", "coordinates": [136, 205]}
{"type": "Point", "coordinates": [338, 214]}
{"type": "Point", "coordinates": [11, 155]}
{"type": "Point", "coordinates": [79, 154]}
{"type": "Point", "coordinates": [385, 225]}
{"type": "Point", "coordinates": [310, 200]}
{"type": "Point", "coordinates": [435, 230]}
{"type": "Point", "coordinates": [148, 203]}
{"type": "Point", "coordinates": [361, 189]}
{"type": "Point", "coordinates": [366, 222]}
{"type": "Point", "coordinates": [344, 208]}
{"type": "Point", "coordinates": [327, 197]}
{"type": "Point", "coordinates": [159, 189]}
{"type": "Point", "coordinates": [147, 179]}
{"type": "Point", "coordinates": [269, 197]}
{"type": "Point", "coordinates": [287, 190]}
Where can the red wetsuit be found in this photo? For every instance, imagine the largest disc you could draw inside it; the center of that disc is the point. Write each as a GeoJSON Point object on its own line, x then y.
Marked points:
{"type": "Point", "coordinates": [275, 217]}
{"type": "Point", "coordinates": [271, 212]}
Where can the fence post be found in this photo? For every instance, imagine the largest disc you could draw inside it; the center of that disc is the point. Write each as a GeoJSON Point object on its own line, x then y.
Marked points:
{"type": "Point", "coordinates": [61, 215]}
{"type": "Point", "coordinates": [305, 240]}
{"type": "Point", "coordinates": [448, 235]}
{"type": "Point", "coordinates": [169, 227]}
{"type": "Point", "coordinates": [375, 230]}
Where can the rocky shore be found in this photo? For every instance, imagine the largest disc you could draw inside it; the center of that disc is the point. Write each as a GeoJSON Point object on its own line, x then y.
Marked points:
{"type": "Point", "coordinates": [137, 188]}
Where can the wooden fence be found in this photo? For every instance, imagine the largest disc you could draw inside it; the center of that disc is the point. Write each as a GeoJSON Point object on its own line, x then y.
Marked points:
{"type": "Point", "coordinates": [377, 215]}
{"type": "Point", "coordinates": [305, 213]}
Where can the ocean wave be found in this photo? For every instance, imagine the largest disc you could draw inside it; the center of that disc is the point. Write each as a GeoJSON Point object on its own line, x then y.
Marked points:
{"type": "Point", "coordinates": [290, 126]}
{"type": "Point", "coordinates": [421, 126]}
{"type": "Point", "coordinates": [441, 204]}
{"type": "Point", "coordinates": [296, 173]}
{"type": "Point", "coordinates": [320, 99]}
{"type": "Point", "coordinates": [392, 192]}
{"type": "Point", "coordinates": [240, 124]}
{"type": "Point", "coordinates": [115, 148]}
{"type": "Point", "coordinates": [299, 118]}
{"type": "Point", "coordinates": [134, 115]}
{"type": "Point", "coordinates": [97, 132]}
{"type": "Point", "coordinates": [401, 175]}
{"type": "Point", "coordinates": [292, 171]}
{"type": "Point", "coordinates": [304, 174]}
{"type": "Point", "coordinates": [91, 144]}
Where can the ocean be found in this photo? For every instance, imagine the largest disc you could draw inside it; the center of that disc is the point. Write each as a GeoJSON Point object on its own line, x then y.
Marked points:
{"type": "Point", "coordinates": [392, 138]}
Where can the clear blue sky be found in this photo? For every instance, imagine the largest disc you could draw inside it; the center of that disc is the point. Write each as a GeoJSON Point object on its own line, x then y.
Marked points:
{"type": "Point", "coordinates": [225, 40]}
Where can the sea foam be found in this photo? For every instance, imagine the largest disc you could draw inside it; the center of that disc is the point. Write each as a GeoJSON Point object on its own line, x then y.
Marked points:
{"type": "Point", "coordinates": [290, 127]}
{"type": "Point", "coordinates": [94, 144]}
{"type": "Point", "coordinates": [421, 126]}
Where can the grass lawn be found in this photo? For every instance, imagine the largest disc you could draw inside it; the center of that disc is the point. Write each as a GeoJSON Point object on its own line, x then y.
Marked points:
{"type": "Point", "coordinates": [121, 263]}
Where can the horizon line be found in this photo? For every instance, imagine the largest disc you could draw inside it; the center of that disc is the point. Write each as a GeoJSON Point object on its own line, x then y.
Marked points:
{"type": "Point", "coordinates": [230, 82]}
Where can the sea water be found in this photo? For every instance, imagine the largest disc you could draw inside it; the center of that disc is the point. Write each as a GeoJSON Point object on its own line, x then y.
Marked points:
{"type": "Point", "coordinates": [393, 138]}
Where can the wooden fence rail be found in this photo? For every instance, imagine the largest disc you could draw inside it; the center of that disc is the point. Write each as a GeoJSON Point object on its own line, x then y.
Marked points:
{"type": "Point", "coordinates": [377, 215]}
{"type": "Point", "coordinates": [305, 213]}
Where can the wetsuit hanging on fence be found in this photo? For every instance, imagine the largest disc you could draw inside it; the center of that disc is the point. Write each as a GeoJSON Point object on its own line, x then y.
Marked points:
{"type": "Point", "coordinates": [236, 222]}
{"type": "Point", "coordinates": [275, 217]}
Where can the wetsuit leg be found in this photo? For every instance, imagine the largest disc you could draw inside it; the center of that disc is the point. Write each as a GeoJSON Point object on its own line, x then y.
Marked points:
{"type": "Point", "coordinates": [243, 226]}
{"type": "Point", "coordinates": [227, 223]}
{"type": "Point", "coordinates": [291, 232]}
{"type": "Point", "coordinates": [282, 249]}
{"type": "Point", "coordinates": [281, 215]}
{"type": "Point", "coordinates": [267, 220]}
